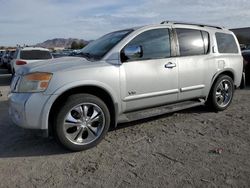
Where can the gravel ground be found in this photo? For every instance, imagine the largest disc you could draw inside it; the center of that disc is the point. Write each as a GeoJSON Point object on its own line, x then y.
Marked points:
{"type": "Point", "coordinates": [175, 150]}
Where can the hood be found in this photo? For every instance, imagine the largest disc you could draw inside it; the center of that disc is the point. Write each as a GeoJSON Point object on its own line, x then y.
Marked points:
{"type": "Point", "coordinates": [59, 64]}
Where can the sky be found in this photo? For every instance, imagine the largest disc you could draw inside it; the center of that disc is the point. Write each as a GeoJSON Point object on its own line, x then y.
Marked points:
{"type": "Point", "coordinates": [33, 21]}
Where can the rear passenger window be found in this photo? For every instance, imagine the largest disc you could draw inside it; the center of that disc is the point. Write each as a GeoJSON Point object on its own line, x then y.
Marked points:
{"type": "Point", "coordinates": [226, 43]}
{"type": "Point", "coordinates": [192, 42]}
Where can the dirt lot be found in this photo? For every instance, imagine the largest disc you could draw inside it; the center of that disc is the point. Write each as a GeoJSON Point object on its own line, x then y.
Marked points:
{"type": "Point", "coordinates": [168, 151]}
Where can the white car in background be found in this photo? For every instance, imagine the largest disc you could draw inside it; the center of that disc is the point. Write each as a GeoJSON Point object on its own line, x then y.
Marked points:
{"type": "Point", "coordinates": [29, 55]}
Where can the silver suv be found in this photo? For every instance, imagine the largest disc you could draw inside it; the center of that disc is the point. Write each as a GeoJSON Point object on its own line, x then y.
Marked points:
{"type": "Point", "coordinates": [125, 76]}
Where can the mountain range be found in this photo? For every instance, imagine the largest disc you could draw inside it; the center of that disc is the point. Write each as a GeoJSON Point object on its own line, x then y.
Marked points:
{"type": "Point", "coordinates": [60, 43]}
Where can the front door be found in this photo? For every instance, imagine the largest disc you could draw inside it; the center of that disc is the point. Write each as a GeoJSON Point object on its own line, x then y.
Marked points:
{"type": "Point", "coordinates": [152, 79]}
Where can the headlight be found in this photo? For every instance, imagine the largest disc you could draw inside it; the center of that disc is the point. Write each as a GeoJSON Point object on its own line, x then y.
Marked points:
{"type": "Point", "coordinates": [34, 82]}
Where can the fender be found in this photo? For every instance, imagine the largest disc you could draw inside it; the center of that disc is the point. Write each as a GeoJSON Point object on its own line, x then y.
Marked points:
{"type": "Point", "coordinates": [215, 76]}
{"type": "Point", "coordinates": [63, 89]}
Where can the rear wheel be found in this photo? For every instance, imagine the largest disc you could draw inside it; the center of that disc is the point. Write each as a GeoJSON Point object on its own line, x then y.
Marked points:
{"type": "Point", "coordinates": [82, 122]}
{"type": "Point", "coordinates": [221, 94]}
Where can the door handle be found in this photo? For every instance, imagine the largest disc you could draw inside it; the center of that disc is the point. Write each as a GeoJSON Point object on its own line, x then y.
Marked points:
{"type": "Point", "coordinates": [170, 65]}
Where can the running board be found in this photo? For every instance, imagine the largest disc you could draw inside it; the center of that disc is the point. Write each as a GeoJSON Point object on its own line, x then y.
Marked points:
{"type": "Point", "coordinates": [157, 111]}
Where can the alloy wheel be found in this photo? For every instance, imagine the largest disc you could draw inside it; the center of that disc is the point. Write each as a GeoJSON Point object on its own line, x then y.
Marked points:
{"type": "Point", "coordinates": [224, 93]}
{"type": "Point", "coordinates": [84, 123]}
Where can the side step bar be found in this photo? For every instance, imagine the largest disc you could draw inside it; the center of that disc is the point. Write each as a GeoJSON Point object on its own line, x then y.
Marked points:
{"type": "Point", "coordinates": [151, 112]}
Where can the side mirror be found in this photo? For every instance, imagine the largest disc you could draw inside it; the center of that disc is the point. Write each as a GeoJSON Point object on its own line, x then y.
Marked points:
{"type": "Point", "coordinates": [131, 53]}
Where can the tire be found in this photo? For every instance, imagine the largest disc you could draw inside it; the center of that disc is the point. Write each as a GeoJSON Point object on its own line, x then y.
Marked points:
{"type": "Point", "coordinates": [221, 93]}
{"type": "Point", "coordinates": [82, 122]}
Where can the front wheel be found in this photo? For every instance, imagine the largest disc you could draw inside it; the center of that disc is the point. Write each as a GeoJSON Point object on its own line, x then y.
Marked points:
{"type": "Point", "coordinates": [82, 122]}
{"type": "Point", "coordinates": [221, 94]}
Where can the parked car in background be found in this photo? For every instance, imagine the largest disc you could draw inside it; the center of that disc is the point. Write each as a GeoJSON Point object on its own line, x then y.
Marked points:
{"type": "Point", "coordinates": [125, 76]}
{"type": "Point", "coordinates": [246, 56]}
{"type": "Point", "coordinates": [64, 53]}
{"type": "Point", "coordinates": [28, 55]}
{"type": "Point", "coordinates": [10, 58]}
{"type": "Point", "coordinates": [5, 58]}
{"type": "Point", "coordinates": [1, 54]}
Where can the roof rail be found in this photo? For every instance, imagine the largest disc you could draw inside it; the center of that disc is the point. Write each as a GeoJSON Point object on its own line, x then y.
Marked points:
{"type": "Point", "coordinates": [196, 24]}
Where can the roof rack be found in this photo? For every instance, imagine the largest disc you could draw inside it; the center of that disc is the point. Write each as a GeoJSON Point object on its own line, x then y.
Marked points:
{"type": "Point", "coordinates": [196, 24]}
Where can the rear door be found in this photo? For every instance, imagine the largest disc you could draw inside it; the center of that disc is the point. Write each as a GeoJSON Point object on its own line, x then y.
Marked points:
{"type": "Point", "coordinates": [193, 62]}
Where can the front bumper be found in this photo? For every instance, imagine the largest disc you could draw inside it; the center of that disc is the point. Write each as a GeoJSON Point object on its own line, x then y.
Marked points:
{"type": "Point", "coordinates": [27, 109]}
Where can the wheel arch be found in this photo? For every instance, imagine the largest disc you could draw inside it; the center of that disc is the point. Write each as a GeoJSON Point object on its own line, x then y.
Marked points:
{"type": "Point", "coordinates": [98, 91]}
{"type": "Point", "coordinates": [228, 72]}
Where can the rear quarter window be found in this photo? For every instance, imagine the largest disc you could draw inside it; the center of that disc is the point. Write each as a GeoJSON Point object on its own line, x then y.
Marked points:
{"type": "Point", "coordinates": [35, 55]}
{"type": "Point", "coordinates": [226, 43]}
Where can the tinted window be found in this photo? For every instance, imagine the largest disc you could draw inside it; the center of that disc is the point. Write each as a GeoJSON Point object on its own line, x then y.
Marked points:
{"type": "Point", "coordinates": [155, 44]}
{"type": "Point", "coordinates": [192, 42]}
{"type": "Point", "coordinates": [35, 54]}
{"type": "Point", "coordinates": [226, 43]}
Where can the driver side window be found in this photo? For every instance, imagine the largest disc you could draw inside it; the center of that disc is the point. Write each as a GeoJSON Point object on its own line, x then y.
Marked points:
{"type": "Point", "coordinates": [155, 44]}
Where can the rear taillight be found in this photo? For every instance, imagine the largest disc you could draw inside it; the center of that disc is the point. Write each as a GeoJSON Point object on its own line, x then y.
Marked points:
{"type": "Point", "coordinates": [20, 62]}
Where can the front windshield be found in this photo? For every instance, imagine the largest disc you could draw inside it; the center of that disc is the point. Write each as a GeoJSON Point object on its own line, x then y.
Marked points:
{"type": "Point", "coordinates": [100, 47]}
